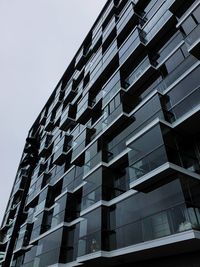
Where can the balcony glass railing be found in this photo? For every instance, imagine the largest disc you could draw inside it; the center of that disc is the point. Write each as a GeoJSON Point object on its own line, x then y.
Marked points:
{"type": "Point", "coordinates": [79, 143]}
{"type": "Point", "coordinates": [58, 113]}
{"type": "Point", "coordinates": [47, 140]}
{"type": "Point", "coordinates": [175, 74]}
{"type": "Point", "coordinates": [49, 121]}
{"type": "Point", "coordinates": [95, 60]}
{"type": "Point", "coordinates": [34, 190]}
{"type": "Point", "coordinates": [40, 206]}
{"type": "Point", "coordinates": [30, 216]}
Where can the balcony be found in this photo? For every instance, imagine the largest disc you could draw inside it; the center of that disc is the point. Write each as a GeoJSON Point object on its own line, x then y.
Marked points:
{"type": "Point", "coordinates": [193, 42]}
{"type": "Point", "coordinates": [49, 125]}
{"type": "Point", "coordinates": [73, 179]}
{"type": "Point", "coordinates": [107, 124]}
{"type": "Point", "coordinates": [61, 149]}
{"type": "Point", "coordinates": [124, 18]}
{"type": "Point", "coordinates": [139, 75]}
{"type": "Point", "coordinates": [139, 4]}
{"type": "Point", "coordinates": [97, 39]}
{"type": "Point", "coordinates": [45, 144]}
{"type": "Point", "coordinates": [150, 170]}
{"type": "Point", "coordinates": [127, 21]}
{"type": "Point", "coordinates": [68, 117]}
{"type": "Point", "coordinates": [20, 184]}
{"type": "Point", "coordinates": [159, 25]}
{"type": "Point", "coordinates": [108, 12]}
{"type": "Point", "coordinates": [109, 29]}
{"type": "Point", "coordinates": [109, 55]}
{"type": "Point", "coordinates": [96, 100]}
{"type": "Point", "coordinates": [79, 59]}
{"type": "Point", "coordinates": [185, 114]}
{"type": "Point", "coordinates": [79, 144]}
{"type": "Point", "coordinates": [23, 237]}
{"type": "Point", "coordinates": [43, 117]}
{"type": "Point", "coordinates": [70, 93]}
{"type": "Point", "coordinates": [58, 114]}
{"type": "Point", "coordinates": [84, 108]}
{"type": "Point", "coordinates": [132, 46]}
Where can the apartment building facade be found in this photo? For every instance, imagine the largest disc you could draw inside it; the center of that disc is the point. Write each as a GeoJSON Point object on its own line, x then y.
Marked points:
{"type": "Point", "coordinates": [110, 174]}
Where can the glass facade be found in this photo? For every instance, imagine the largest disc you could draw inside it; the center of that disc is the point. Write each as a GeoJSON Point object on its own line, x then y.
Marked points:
{"type": "Point", "coordinates": [110, 172]}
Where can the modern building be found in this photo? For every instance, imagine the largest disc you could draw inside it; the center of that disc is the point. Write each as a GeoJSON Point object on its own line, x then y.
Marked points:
{"type": "Point", "coordinates": [110, 172]}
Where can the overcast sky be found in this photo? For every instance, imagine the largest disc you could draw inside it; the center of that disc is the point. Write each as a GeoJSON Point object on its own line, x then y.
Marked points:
{"type": "Point", "coordinates": [38, 39]}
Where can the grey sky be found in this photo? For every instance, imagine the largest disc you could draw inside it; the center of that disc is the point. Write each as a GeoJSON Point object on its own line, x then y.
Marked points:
{"type": "Point", "coordinates": [38, 40]}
